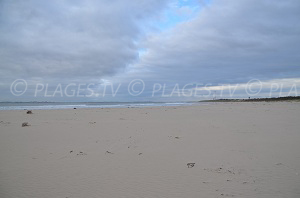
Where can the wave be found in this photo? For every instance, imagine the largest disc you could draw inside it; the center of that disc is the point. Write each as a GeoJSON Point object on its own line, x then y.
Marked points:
{"type": "Point", "coordinates": [46, 105]}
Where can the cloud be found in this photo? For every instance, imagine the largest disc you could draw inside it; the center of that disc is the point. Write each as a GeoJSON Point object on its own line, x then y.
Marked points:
{"type": "Point", "coordinates": [71, 39]}
{"type": "Point", "coordinates": [215, 42]}
{"type": "Point", "coordinates": [229, 42]}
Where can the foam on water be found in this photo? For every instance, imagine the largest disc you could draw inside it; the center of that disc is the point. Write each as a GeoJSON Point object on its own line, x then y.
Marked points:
{"type": "Point", "coordinates": [58, 105]}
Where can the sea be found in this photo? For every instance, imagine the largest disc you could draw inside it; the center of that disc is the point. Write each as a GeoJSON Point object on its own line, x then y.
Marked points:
{"type": "Point", "coordinates": [72, 105]}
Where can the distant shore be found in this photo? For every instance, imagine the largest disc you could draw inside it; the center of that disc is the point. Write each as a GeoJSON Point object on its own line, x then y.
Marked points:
{"type": "Point", "coordinates": [288, 98]}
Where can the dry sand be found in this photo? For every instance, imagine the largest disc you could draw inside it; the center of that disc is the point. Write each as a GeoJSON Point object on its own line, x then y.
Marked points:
{"type": "Point", "coordinates": [239, 150]}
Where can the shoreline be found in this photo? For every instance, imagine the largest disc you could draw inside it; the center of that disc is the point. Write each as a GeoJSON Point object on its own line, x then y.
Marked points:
{"type": "Point", "coordinates": [186, 104]}
{"type": "Point", "coordinates": [87, 105]}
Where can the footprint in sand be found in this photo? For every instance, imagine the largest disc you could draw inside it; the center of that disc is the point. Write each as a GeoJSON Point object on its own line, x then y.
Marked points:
{"type": "Point", "coordinates": [190, 165]}
{"type": "Point", "coordinates": [81, 153]}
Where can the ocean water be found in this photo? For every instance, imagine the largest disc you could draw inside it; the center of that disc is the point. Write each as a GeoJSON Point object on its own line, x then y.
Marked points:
{"type": "Point", "coordinates": [71, 105]}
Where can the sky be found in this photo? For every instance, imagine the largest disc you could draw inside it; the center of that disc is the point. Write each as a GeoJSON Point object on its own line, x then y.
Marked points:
{"type": "Point", "coordinates": [148, 50]}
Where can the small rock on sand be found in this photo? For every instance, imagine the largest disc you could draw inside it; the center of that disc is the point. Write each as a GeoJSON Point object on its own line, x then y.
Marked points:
{"type": "Point", "coordinates": [24, 124]}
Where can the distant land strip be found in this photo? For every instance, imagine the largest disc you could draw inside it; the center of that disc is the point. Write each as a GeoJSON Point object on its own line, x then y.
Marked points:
{"type": "Point", "coordinates": [287, 98]}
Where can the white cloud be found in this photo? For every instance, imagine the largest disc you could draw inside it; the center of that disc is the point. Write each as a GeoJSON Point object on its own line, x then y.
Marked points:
{"type": "Point", "coordinates": [229, 41]}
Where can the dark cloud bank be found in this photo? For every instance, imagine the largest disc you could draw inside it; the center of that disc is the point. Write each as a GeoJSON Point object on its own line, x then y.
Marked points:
{"type": "Point", "coordinates": [85, 41]}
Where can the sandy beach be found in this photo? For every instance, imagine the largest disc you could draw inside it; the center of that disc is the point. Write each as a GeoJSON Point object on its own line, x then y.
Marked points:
{"type": "Point", "coordinates": [238, 150]}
